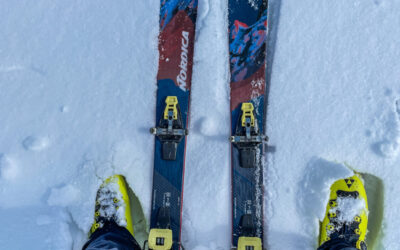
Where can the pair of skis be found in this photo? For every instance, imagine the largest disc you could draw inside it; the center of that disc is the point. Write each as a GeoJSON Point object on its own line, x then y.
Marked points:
{"type": "Point", "coordinates": [247, 46]}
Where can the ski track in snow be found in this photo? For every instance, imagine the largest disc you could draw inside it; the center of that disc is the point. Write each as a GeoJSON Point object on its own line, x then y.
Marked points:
{"type": "Point", "coordinates": [208, 145]}
{"type": "Point", "coordinates": [78, 96]}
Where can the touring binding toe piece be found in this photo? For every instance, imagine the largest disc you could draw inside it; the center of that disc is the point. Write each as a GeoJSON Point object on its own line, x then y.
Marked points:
{"type": "Point", "coordinates": [170, 130]}
{"type": "Point", "coordinates": [247, 136]}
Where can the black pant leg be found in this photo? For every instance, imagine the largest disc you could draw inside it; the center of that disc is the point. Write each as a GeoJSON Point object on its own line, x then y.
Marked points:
{"type": "Point", "coordinates": [111, 236]}
{"type": "Point", "coordinates": [337, 244]}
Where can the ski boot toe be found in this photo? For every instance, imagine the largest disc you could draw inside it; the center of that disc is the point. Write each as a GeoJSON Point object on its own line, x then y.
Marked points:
{"type": "Point", "coordinates": [112, 204]}
{"type": "Point", "coordinates": [346, 214]}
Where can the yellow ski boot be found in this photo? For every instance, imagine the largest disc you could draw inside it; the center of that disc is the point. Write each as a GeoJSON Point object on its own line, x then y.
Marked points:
{"type": "Point", "coordinates": [112, 204]}
{"type": "Point", "coordinates": [346, 214]}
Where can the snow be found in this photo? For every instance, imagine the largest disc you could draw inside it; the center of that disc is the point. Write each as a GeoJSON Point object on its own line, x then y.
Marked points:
{"type": "Point", "coordinates": [314, 189]}
{"type": "Point", "coordinates": [347, 209]}
{"type": "Point", "coordinates": [8, 168]}
{"type": "Point", "coordinates": [77, 98]}
{"type": "Point", "coordinates": [64, 196]}
{"type": "Point", "coordinates": [36, 143]}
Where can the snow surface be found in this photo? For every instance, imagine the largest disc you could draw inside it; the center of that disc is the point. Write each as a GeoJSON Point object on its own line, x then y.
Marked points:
{"type": "Point", "coordinates": [77, 97]}
{"type": "Point", "coordinates": [347, 209]}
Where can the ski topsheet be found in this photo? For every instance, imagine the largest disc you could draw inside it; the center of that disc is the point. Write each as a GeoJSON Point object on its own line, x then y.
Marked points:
{"type": "Point", "coordinates": [247, 49]}
{"type": "Point", "coordinates": [176, 46]}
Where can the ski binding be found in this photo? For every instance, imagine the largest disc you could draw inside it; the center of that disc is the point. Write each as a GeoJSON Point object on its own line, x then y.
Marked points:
{"type": "Point", "coordinates": [160, 238]}
{"type": "Point", "coordinates": [170, 130]}
{"type": "Point", "coordinates": [247, 136]}
{"type": "Point", "coordinates": [248, 239]}
{"type": "Point", "coordinates": [249, 243]}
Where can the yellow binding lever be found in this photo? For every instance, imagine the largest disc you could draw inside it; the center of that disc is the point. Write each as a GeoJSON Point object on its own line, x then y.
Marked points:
{"type": "Point", "coordinates": [249, 243]}
{"type": "Point", "coordinates": [247, 116]}
{"type": "Point", "coordinates": [160, 239]}
{"type": "Point", "coordinates": [170, 107]}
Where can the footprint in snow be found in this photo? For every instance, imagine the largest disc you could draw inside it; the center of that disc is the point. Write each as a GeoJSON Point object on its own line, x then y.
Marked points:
{"type": "Point", "coordinates": [64, 109]}
{"type": "Point", "coordinates": [9, 169]}
{"type": "Point", "coordinates": [33, 143]}
{"type": "Point", "coordinates": [389, 146]}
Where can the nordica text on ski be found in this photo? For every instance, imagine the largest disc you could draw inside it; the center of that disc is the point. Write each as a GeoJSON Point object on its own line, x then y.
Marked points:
{"type": "Point", "coordinates": [182, 76]}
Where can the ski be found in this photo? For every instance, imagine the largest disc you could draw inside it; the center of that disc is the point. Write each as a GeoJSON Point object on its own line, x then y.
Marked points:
{"type": "Point", "coordinates": [247, 48]}
{"type": "Point", "coordinates": [176, 47]}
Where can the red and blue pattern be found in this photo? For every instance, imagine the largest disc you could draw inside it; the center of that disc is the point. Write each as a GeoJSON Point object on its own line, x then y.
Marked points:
{"type": "Point", "coordinates": [170, 7]}
{"type": "Point", "coordinates": [247, 48]}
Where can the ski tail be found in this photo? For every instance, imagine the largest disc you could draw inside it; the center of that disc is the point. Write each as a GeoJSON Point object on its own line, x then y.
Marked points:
{"type": "Point", "coordinates": [248, 240]}
{"type": "Point", "coordinates": [161, 237]}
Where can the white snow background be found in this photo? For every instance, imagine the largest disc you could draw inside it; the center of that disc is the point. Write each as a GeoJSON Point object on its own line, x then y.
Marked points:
{"type": "Point", "coordinates": [77, 96]}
